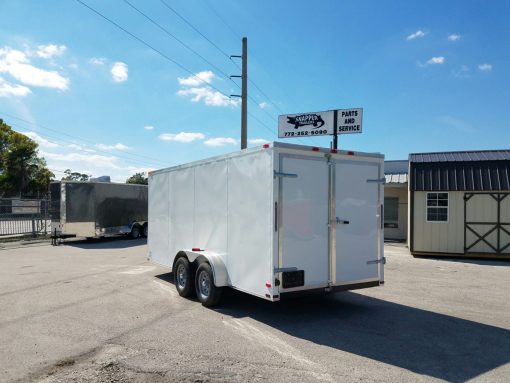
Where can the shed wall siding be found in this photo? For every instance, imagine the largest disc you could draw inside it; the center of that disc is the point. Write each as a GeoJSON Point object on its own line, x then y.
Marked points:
{"type": "Point", "coordinates": [399, 233]}
{"type": "Point", "coordinates": [440, 237]}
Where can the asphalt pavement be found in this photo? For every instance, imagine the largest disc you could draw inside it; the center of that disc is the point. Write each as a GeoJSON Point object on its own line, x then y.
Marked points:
{"type": "Point", "coordinates": [100, 312]}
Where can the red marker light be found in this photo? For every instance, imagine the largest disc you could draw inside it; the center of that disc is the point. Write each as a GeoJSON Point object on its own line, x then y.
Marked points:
{"type": "Point", "coordinates": [315, 149]}
{"type": "Point", "coordinates": [350, 153]}
{"type": "Point", "coordinates": [268, 285]}
{"type": "Point", "coordinates": [265, 146]}
{"type": "Point", "coordinates": [196, 249]}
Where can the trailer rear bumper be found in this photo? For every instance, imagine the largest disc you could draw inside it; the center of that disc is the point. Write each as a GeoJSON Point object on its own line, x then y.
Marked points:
{"type": "Point", "coordinates": [332, 289]}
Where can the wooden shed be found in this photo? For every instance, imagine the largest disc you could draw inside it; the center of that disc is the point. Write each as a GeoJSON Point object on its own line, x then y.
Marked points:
{"type": "Point", "coordinates": [459, 203]}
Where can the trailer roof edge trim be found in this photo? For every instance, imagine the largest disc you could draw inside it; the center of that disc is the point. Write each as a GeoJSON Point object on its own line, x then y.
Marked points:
{"type": "Point", "coordinates": [275, 144]}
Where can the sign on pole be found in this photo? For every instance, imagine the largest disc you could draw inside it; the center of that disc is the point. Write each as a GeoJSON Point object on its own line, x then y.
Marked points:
{"type": "Point", "coordinates": [306, 124]}
{"type": "Point", "coordinates": [331, 122]}
{"type": "Point", "coordinates": [349, 120]}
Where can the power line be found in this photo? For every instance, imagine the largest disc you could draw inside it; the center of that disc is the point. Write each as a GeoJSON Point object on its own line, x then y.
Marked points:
{"type": "Point", "coordinates": [177, 39]}
{"type": "Point", "coordinates": [83, 147]}
{"type": "Point", "coordinates": [195, 29]}
{"type": "Point", "coordinates": [151, 47]}
{"type": "Point", "coordinates": [222, 20]}
{"type": "Point", "coordinates": [78, 139]}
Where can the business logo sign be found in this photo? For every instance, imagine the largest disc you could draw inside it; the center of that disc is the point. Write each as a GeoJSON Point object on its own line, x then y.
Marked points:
{"type": "Point", "coordinates": [306, 124]}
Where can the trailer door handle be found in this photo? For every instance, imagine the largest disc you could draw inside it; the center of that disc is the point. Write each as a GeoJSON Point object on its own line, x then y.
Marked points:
{"type": "Point", "coordinates": [284, 175]}
{"type": "Point", "coordinates": [341, 221]}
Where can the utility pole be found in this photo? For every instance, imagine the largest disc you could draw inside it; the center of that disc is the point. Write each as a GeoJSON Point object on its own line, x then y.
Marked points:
{"type": "Point", "coordinates": [244, 94]}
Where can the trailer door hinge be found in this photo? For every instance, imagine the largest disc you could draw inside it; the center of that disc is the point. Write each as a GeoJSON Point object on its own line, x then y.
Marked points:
{"type": "Point", "coordinates": [375, 261]}
{"type": "Point", "coordinates": [284, 175]}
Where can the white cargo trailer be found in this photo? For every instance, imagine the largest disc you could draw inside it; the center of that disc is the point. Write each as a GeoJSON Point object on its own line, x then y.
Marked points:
{"type": "Point", "coordinates": [270, 221]}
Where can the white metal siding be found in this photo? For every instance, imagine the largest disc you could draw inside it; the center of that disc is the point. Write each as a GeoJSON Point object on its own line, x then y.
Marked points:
{"type": "Point", "coordinates": [159, 197]}
{"type": "Point", "coordinates": [250, 215]}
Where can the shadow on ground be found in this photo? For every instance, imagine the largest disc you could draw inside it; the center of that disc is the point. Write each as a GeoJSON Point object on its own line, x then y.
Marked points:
{"type": "Point", "coordinates": [421, 341]}
{"type": "Point", "coordinates": [474, 261]}
{"type": "Point", "coordinates": [105, 243]}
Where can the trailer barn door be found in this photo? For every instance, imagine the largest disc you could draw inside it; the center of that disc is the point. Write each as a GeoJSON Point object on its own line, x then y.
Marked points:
{"type": "Point", "coordinates": [487, 223]}
{"type": "Point", "coordinates": [303, 222]}
{"type": "Point", "coordinates": [358, 221]}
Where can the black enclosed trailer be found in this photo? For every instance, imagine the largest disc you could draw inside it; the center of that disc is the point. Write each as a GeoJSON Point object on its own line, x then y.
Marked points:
{"type": "Point", "coordinates": [98, 209]}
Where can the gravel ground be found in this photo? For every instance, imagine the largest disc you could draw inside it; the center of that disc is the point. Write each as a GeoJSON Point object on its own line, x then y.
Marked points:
{"type": "Point", "coordinates": [99, 312]}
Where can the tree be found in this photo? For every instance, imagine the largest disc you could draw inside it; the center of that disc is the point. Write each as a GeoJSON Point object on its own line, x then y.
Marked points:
{"type": "Point", "coordinates": [138, 178]}
{"type": "Point", "coordinates": [74, 176]}
{"type": "Point", "coordinates": [22, 171]}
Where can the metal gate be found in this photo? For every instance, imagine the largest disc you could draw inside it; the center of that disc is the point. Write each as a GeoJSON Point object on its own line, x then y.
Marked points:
{"type": "Point", "coordinates": [24, 216]}
{"type": "Point", "coordinates": [487, 223]}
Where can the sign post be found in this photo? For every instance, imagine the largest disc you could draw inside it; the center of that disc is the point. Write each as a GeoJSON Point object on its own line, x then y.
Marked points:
{"type": "Point", "coordinates": [331, 122]}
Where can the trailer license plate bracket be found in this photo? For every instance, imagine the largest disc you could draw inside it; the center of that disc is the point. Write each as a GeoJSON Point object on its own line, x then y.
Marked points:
{"type": "Point", "coordinates": [293, 279]}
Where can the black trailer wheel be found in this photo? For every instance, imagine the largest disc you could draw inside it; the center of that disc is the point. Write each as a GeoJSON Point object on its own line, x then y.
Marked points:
{"type": "Point", "coordinates": [207, 292]}
{"type": "Point", "coordinates": [145, 230]}
{"type": "Point", "coordinates": [183, 277]}
{"type": "Point", "coordinates": [135, 231]}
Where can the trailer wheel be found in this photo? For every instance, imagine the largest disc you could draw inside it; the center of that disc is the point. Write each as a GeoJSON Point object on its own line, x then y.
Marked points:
{"type": "Point", "coordinates": [135, 231]}
{"type": "Point", "coordinates": [183, 277]}
{"type": "Point", "coordinates": [207, 292]}
{"type": "Point", "coordinates": [145, 230]}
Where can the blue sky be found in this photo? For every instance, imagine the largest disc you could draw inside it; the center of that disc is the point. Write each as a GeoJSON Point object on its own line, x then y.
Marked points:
{"type": "Point", "coordinates": [430, 76]}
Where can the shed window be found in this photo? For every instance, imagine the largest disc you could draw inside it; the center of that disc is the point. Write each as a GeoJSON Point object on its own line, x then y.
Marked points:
{"type": "Point", "coordinates": [391, 212]}
{"type": "Point", "coordinates": [437, 207]}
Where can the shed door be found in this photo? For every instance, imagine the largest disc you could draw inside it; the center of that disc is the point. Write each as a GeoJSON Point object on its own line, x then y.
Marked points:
{"type": "Point", "coordinates": [487, 223]}
{"type": "Point", "coordinates": [304, 221]}
{"type": "Point", "coordinates": [358, 227]}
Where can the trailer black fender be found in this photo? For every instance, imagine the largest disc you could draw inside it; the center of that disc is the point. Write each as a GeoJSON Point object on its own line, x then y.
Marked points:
{"type": "Point", "coordinates": [214, 259]}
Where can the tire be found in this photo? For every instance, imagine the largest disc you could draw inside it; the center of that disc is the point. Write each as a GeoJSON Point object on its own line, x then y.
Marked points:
{"type": "Point", "coordinates": [207, 293]}
{"type": "Point", "coordinates": [135, 231]}
{"type": "Point", "coordinates": [184, 278]}
{"type": "Point", "coordinates": [145, 230]}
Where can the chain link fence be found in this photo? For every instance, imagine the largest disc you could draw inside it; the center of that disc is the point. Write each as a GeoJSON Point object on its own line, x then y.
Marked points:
{"type": "Point", "coordinates": [24, 216]}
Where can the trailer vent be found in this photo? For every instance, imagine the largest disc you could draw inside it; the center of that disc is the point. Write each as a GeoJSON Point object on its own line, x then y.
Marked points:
{"type": "Point", "coordinates": [293, 279]}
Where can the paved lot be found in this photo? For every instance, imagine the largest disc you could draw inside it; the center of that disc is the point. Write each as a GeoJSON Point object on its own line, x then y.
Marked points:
{"type": "Point", "coordinates": [99, 312]}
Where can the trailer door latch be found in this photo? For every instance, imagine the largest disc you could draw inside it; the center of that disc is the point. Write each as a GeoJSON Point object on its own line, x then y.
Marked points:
{"type": "Point", "coordinates": [377, 181]}
{"type": "Point", "coordinates": [375, 261]}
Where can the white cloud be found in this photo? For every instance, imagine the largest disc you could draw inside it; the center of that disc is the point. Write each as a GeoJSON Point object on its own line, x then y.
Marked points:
{"type": "Point", "coordinates": [82, 148]}
{"type": "Point", "coordinates": [17, 64]}
{"type": "Point", "coordinates": [198, 79]}
{"type": "Point", "coordinates": [485, 67]}
{"type": "Point", "coordinates": [117, 146]}
{"type": "Point", "coordinates": [119, 72]}
{"type": "Point", "coordinates": [199, 91]}
{"type": "Point", "coordinates": [220, 141]}
{"type": "Point", "coordinates": [97, 61]}
{"type": "Point", "coordinates": [209, 96]}
{"type": "Point", "coordinates": [94, 159]}
{"type": "Point", "coordinates": [8, 90]}
{"type": "Point", "coordinates": [454, 37]}
{"type": "Point", "coordinates": [50, 50]}
{"type": "Point", "coordinates": [436, 60]}
{"type": "Point", "coordinates": [258, 141]}
{"type": "Point", "coordinates": [415, 35]}
{"type": "Point", "coordinates": [185, 137]}
{"type": "Point", "coordinates": [456, 123]}
{"type": "Point", "coordinates": [148, 127]}
{"type": "Point", "coordinates": [263, 105]}
{"type": "Point", "coordinates": [40, 140]}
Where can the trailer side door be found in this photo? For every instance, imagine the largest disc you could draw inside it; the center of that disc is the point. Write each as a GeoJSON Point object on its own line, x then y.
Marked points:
{"type": "Point", "coordinates": [303, 222]}
{"type": "Point", "coordinates": [358, 221]}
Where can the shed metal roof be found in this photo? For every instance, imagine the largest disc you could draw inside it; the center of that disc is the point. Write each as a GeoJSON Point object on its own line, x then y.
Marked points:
{"type": "Point", "coordinates": [486, 175]}
{"type": "Point", "coordinates": [482, 155]}
{"type": "Point", "coordinates": [396, 178]}
{"type": "Point", "coordinates": [396, 171]}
